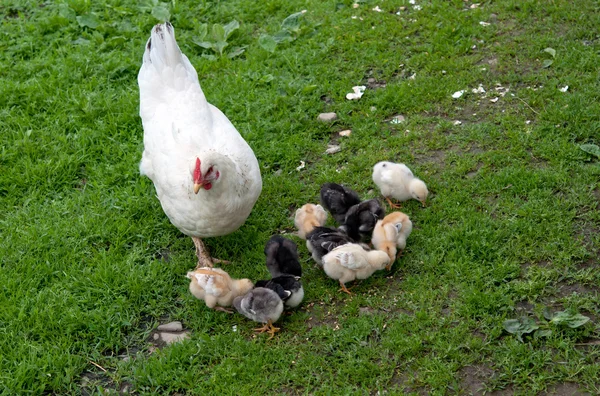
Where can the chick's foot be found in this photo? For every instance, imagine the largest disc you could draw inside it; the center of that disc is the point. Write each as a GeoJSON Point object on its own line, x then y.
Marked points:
{"type": "Point", "coordinates": [393, 205]}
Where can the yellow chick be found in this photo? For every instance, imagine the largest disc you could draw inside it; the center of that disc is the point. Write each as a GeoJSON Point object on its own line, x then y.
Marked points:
{"type": "Point", "coordinates": [391, 233]}
{"type": "Point", "coordinates": [348, 262]}
{"type": "Point", "coordinates": [397, 181]}
{"type": "Point", "coordinates": [216, 288]}
{"type": "Point", "coordinates": [308, 217]}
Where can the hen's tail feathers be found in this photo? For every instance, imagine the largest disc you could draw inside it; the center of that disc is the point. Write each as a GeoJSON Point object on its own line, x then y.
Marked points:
{"type": "Point", "coordinates": [163, 55]}
{"type": "Point", "coordinates": [162, 49]}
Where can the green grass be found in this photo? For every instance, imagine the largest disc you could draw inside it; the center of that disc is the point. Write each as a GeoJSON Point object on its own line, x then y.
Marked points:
{"type": "Point", "coordinates": [90, 263]}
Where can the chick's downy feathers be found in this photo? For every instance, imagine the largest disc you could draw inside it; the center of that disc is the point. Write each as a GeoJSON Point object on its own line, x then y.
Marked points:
{"type": "Point", "coordinates": [282, 257]}
{"type": "Point", "coordinates": [322, 240]}
{"type": "Point", "coordinates": [337, 199]}
{"type": "Point", "coordinates": [390, 234]}
{"type": "Point", "coordinates": [361, 218]}
{"type": "Point", "coordinates": [398, 182]}
{"type": "Point", "coordinates": [216, 287]}
{"type": "Point", "coordinates": [308, 217]}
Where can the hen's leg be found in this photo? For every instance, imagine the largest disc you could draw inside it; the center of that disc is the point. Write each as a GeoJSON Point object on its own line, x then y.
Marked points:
{"type": "Point", "coordinates": [204, 259]}
{"type": "Point", "coordinates": [393, 205]}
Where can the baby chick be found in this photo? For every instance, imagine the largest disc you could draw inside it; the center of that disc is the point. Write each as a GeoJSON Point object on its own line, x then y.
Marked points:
{"type": "Point", "coordinates": [360, 219]}
{"type": "Point", "coordinates": [308, 217]}
{"type": "Point", "coordinates": [397, 181]}
{"type": "Point", "coordinates": [261, 305]}
{"type": "Point", "coordinates": [337, 199]}
{"type": "Point", "coordinates": [391, 233]}
{"type": "Point", "coordinates": [349, 262]}
{"type": "Point", "coordinates": [322, 240]}
{"type": "Point", "coordinates": [288, 287]}
{"type": "Point", "coordinates": [282, 257]}
{"type": "Point", "coordinates": [216, 288]}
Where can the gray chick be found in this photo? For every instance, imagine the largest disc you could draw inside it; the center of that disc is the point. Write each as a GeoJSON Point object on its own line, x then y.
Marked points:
{"type": "Point", "coordinates": [288, 287]}
{"type": "Point", "coordinates": [261, 305]}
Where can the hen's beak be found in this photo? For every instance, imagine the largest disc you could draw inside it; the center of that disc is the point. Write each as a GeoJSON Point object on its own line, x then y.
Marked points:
{"type": "Point", "coordinates": [197, 187]}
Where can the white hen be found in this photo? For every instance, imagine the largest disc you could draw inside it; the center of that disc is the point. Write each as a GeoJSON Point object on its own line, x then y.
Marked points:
{"type": "Point", "coordinates": [397, 181]}
{"type": "Point", "coordinates": [206, 176]}
{"type": "Point", "coordinates": [348, 262]}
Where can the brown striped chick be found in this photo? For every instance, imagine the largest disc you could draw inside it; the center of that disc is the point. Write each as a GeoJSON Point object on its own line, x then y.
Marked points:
{"type": "Point", "coordinates": [308, 217]}
{"type": "Point", "coordinates": [390, 235]}
{"type": "Point", "coordinates": [216, 287]}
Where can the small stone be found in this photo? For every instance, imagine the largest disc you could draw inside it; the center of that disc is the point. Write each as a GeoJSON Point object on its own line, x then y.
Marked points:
{"type": "Point", "coordinates": [373, 108]}
{"type": "Point", "coordinates": [371, 80]}
{"type": "Point", "coordinates": [332, 149]}
{"type": "Point", "coordinates": [327, 117]}
{"type": "Point", "coordinates": [457, 122]}
{"type": "Point", "coordinates": [278, 172]}
{"type": "Point", "coordinates": [173, 326]}
{"type": "Point", "coordinates": [397, 119]}
{"type": "Point", "coordinates": [346, 132]}
{"type": "Point", "coordinates": [355, 5]}
{"type": "Point", "coordinates": [494, 100]}
{"type": "Point", "coordinates": [156, 336]}
{"type": "Point", "coordinates": [170, 338]}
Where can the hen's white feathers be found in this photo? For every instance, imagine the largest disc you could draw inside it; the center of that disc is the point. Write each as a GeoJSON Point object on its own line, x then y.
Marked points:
{"type": "Point", "coordinates": [180, 126]}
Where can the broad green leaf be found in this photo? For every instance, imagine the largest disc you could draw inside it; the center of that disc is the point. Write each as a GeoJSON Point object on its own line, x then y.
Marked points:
{"type": "Point", "coordinates": [282, 36]}
{"type": "Point", "coordinates": [591, 149]}
{"type": "Point", "coordinates": [512, 325]}
{"type": "Point", "coordinates": [309, 88]}
{"type": "Point", "coordinates": [540, 333]}
{"type": "Point", "coordinates": [292, 22]}
{"type": "Point", "coordinates": [236, 51]}
{"type": "Point", "coordinates": [267, 78]}
{"type": "Point", "coordinates": [203, 44]}
{"type": "Point", "coordinates": [267, 43]}
{"type": "Point", "coordinates": [161, 12]}
{"type": "Point", "coordinates": [147, 5]}
{"type": "Point", "coordinates": [231, 27]}
{"type": "Point", "coordinates": [202, 32]}
{"type": "Point", "coordinates": [550, 51]}
{"type": "Point", "coordinates": [218, 33]}
{"type": "Point", "coordinates": [209, 57]}
{"type": "Point", "coordinates": [547, 63]}
{"type": "Point", "coordinates": [569, 319]}
{"type": "Point", "coordinates": [88, 20]}
{"type": "Point", "coordinates": [520, 326]}
{"type": "Point", "coordinates": [219, 47]}
{"type": "Point", "coordinates": [66, 12]}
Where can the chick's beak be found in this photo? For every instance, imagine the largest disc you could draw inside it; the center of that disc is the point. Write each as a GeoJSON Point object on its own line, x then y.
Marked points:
{"type": "Point", "coordinates": [423, 203]}
{"type": "Point", "coordinates": [197, 187]}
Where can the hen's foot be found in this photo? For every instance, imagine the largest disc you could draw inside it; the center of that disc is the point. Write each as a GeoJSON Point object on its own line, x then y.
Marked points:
{"type": "Point", "coordinates": [204, 259]}
{"type": "Point", "coordinates": [393, 205]}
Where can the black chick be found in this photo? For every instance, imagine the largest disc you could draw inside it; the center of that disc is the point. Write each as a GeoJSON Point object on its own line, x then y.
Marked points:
{"type": "Point", "coordinates": [337, 199]}
{"type": "Point", "coordinates": [282, 257]}
{"type": "Point", "coordinates": [288, 287]}
{"type": "Point", "coordinates": [361, 219]}
{"type": "Point", "coordinates": [322, 240]}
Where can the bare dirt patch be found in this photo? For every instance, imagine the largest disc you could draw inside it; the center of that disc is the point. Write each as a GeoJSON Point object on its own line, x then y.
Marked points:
{"type": "Point", "coordinates": [474, 378]}
{"type": "Point", "coordinates": [564, 289]}
{"type": "Point", "coordinates": [402, 380]}
{"type": "Point", "coordinates": [565, 389]}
